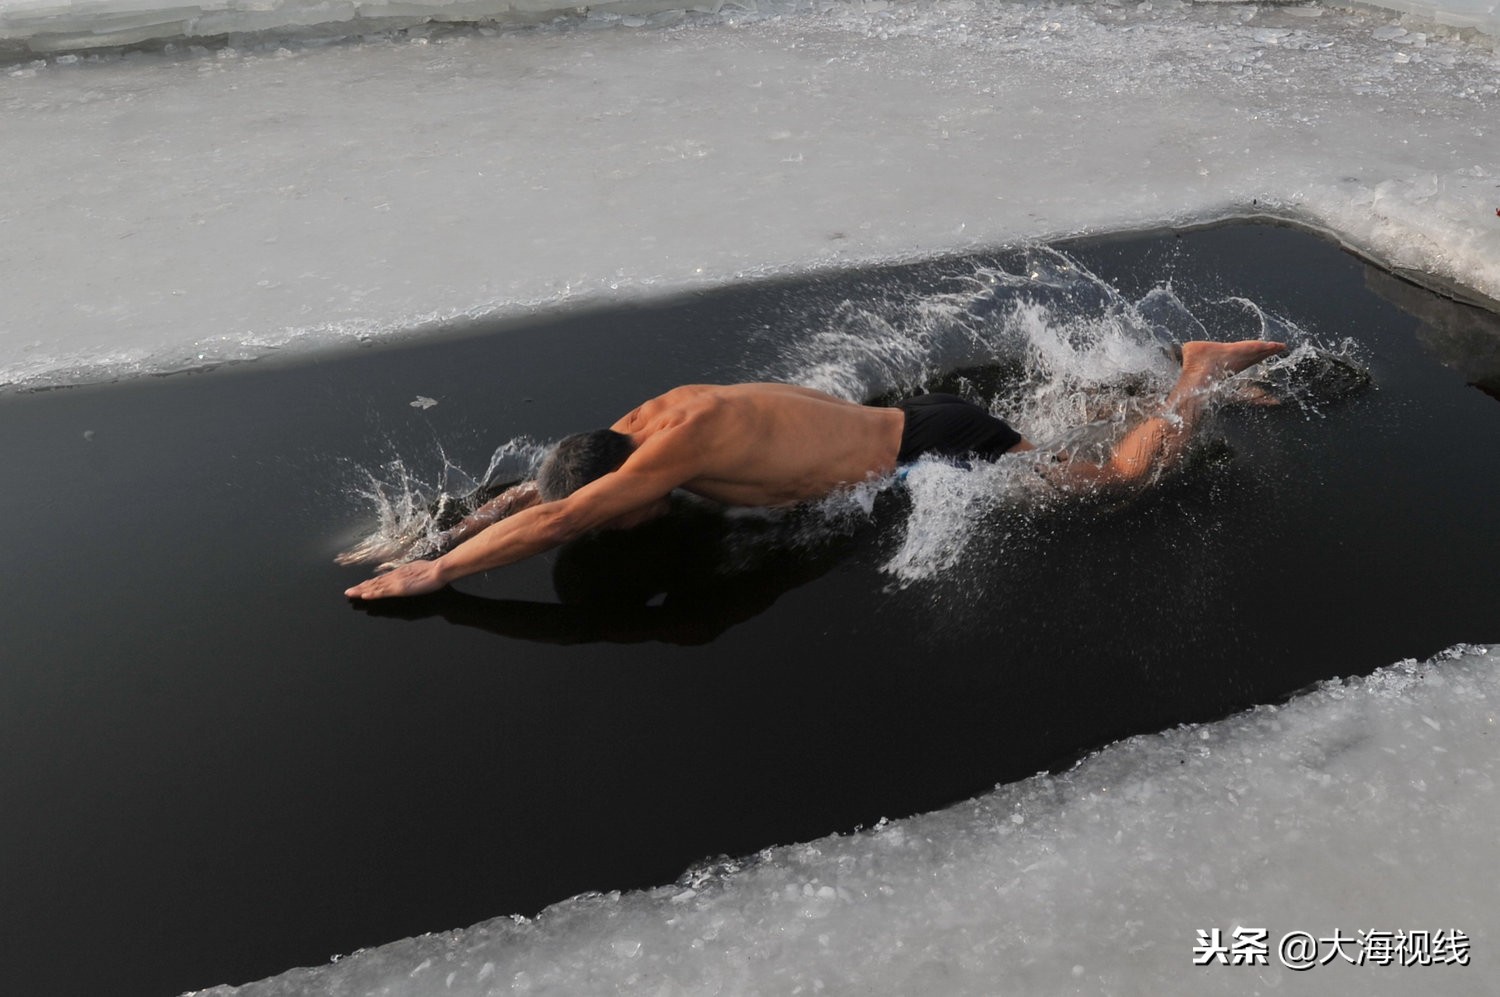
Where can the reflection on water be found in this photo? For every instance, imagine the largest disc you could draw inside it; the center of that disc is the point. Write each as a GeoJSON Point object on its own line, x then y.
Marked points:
{"type": "Point", "coordinates": [1463, 336]}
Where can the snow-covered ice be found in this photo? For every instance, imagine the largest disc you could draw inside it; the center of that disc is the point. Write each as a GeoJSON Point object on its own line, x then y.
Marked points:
{"type": "Point", "coordinates": [40, 26]}
{"type": "Point", "coordinates": [175, 210]}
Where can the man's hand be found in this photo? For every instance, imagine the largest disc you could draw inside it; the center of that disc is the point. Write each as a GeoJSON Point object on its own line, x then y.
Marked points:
{"type": "Point", "coordinates": [416, 578]}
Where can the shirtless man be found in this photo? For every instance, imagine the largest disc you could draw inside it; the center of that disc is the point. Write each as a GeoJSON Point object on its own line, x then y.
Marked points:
{"type": "Point", "coordinates": [772, 445]}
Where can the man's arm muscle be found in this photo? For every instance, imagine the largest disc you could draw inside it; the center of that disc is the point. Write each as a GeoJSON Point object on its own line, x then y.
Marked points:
{"type": "Point", "coordinates": [507, 503]}
{"type": "Point", "coordinates": [552, 524]}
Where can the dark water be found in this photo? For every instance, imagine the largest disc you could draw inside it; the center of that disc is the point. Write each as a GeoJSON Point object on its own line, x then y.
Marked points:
{"type": "Point", "coordinates": [213, 767]}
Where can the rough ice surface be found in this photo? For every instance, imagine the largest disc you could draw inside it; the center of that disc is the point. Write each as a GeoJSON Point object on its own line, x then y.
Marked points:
{"type": "Point", "coordinates": [1364, 805]}
{"type": "Point", "coordinates": [1483, 15]}
{"type": "Point", "coordinates": [175, 210]}
{"type": "Point", "coordinates": [42, 26]}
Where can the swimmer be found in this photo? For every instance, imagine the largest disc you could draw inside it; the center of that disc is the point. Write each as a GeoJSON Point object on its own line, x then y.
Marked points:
{"type": "Point", "coordinates": [775, 445]}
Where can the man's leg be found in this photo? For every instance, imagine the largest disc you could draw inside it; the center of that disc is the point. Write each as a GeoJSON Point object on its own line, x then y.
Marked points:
{"type": "Point", "coordinates": [1161, 440]}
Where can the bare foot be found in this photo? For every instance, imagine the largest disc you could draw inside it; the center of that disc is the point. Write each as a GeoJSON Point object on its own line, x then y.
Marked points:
{"type": "Point", "coordinates": [1207, 362]}
{"type": "Point", "coordinates": [1206, 365]}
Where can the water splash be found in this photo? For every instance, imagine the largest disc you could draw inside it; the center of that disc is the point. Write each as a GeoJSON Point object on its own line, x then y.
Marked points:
{"type": "Point", "coordinates": [412, 509]}
{"type": "Point", "coordinates": [1057, 352]}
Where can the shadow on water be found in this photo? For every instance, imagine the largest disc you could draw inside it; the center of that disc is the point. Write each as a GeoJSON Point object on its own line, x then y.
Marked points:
{"type": "Point", "coordinates": [684, 579]}
{"type": "Point", "coordinates": [195, 724]}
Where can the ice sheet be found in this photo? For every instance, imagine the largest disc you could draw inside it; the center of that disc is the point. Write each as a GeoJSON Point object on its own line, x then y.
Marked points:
{"type": "Point", "coordinates": [1363, 805]}
{"type": "Point", "coordinates": [41, 26]}
{"type": "Point", "coordinates": [170, 211]}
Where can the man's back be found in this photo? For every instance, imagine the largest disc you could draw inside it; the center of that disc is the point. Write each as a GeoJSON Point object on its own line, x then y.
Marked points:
{"type": "Point", "coordinates": [765, 444]}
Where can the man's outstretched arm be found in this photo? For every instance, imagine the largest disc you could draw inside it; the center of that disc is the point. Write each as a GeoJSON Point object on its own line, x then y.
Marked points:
{"type": "Point", "coordinates": [375, 548]}
{"type": "Point", "coordinates": [647, 477]}
{"type": "Point", "coordinates": [506, 542]}
{"type": "Point", "coordinates": [507, 503]}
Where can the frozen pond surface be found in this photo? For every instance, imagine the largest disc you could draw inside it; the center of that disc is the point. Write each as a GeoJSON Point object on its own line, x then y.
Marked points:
{"type": "Point", "coordinates": [170, 211]}
{"type": "Point", "coordinates": [43, 26]}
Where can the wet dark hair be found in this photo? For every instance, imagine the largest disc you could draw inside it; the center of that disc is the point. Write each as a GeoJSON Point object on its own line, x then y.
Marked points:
{"type": "Point", "coordinates": [579, 459]}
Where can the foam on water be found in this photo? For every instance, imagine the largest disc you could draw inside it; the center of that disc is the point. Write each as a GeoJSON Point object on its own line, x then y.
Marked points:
{"type": "Point", "coordinates": [1366, 804]}
{"type": "Point", "coordinates": [1055, 351]}
{"type": "Point", "coordinates": [1080, 408]}
{"type": "Point", "coordinates": [178, 210]}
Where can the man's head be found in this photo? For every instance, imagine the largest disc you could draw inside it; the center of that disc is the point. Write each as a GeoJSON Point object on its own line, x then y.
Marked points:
{"type": "Point", "coordinates": [579, 459]}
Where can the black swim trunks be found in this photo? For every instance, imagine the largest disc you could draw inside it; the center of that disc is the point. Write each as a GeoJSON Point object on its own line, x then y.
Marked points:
{"type": "Point", "coordinates": [948, 426]}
